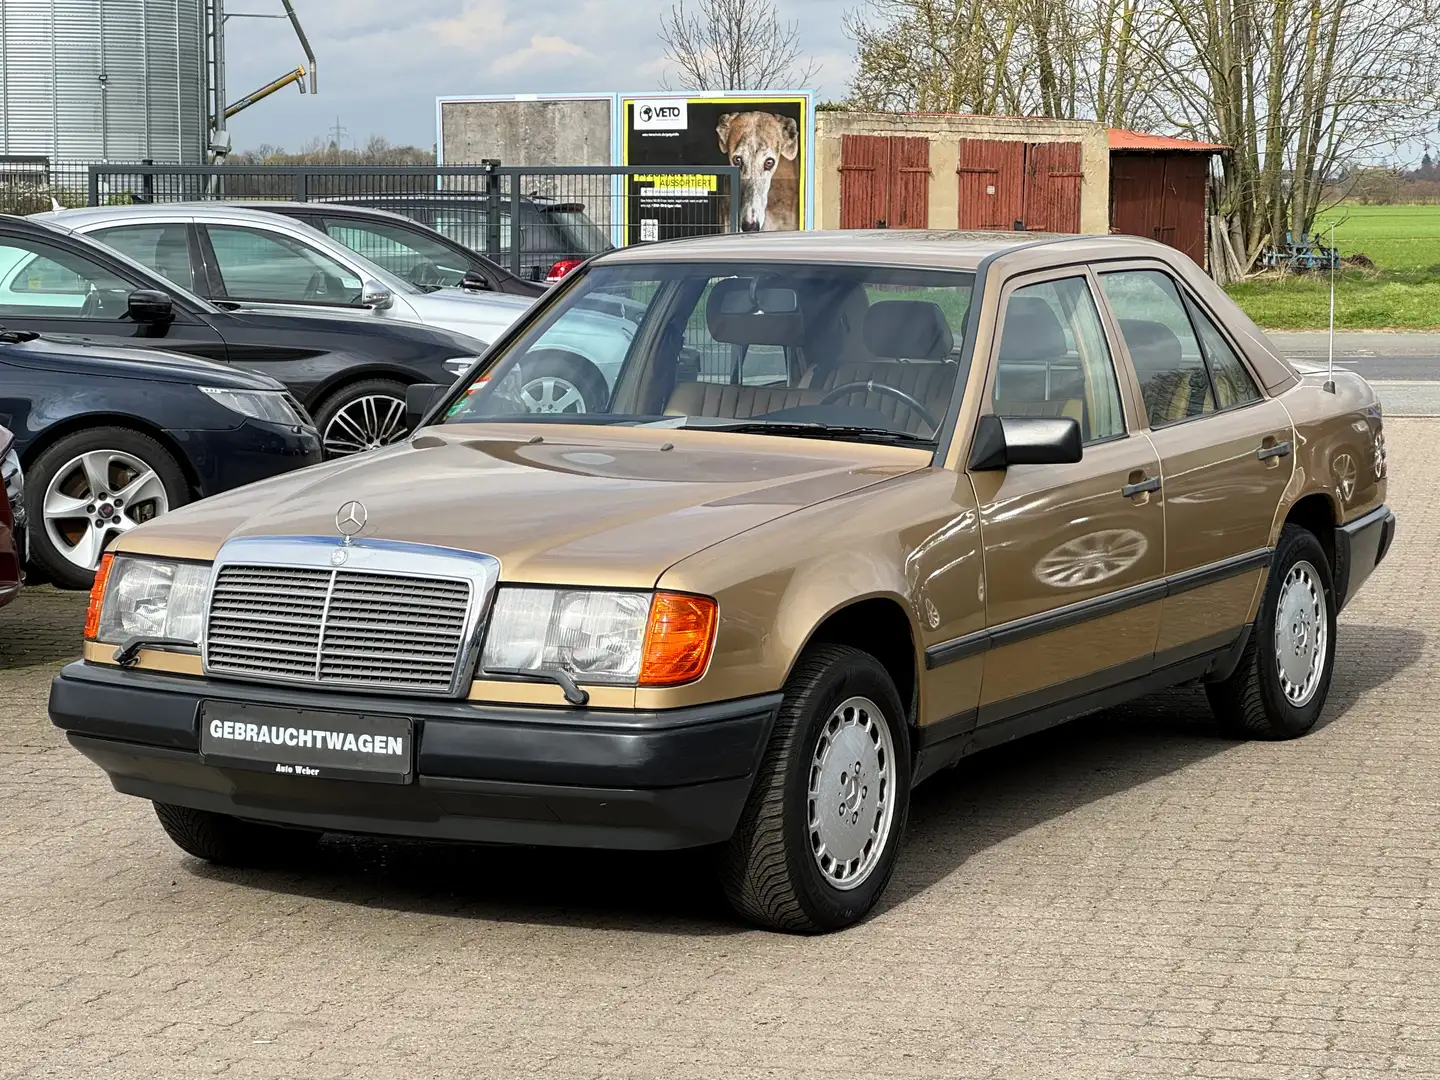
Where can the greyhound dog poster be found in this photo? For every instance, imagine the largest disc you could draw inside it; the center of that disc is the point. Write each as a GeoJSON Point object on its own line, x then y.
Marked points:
{"type": "Point", "coordinates": [764, 136]}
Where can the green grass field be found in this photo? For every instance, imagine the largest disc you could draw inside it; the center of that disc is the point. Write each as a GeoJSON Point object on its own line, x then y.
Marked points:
{"type": "Point", "coordinates": [1402, 292]}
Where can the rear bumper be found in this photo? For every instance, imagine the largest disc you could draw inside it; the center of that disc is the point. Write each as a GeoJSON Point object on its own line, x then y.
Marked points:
{"type": "Point", "coordinates": [493, 774]}
{"type": "Point", "coordinates": [1360, 546]}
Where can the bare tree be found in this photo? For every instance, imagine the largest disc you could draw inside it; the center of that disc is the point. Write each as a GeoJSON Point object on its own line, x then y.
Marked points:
{"type": "Point", "coordinates": [734, 45]}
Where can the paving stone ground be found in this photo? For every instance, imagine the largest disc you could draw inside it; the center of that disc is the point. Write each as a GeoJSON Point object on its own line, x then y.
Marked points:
{"type": "Point", "coordinates": [1132, 895]}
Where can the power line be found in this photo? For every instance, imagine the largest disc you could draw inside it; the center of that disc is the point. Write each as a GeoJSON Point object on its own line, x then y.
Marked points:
{"type": "Point", "coordinates": [338, 132]}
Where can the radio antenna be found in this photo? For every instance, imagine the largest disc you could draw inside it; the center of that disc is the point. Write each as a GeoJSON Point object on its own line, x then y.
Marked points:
{"type": "Point", "coordinates": [1334, 258]}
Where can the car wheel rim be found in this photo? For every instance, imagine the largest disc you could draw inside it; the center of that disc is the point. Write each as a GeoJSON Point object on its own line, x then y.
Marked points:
{"type": "Point", "coordinates": [1301, 634]}
{"type": "Point", "coordinates": [367, 423]}
{"type": "Point", "coordinates": [94, 497]}
{"type": "Point", "coordinates": [552, 394]}
{"type": "Point", "coordinates": [851, 800]}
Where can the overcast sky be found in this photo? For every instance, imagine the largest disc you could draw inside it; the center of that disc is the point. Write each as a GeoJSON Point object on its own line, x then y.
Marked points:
{"type": "Point", "coordinates": [382, 63]}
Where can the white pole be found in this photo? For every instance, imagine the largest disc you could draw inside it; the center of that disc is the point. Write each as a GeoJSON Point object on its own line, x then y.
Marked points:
{"type": "Point", "coordinates": [1330, 378]}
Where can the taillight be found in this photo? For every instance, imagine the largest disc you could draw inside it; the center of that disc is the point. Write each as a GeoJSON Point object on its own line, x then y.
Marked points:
{"type": "Point", "coordinates": [97, 597]}
{"type": "Point", "coordinates": [560, 269]}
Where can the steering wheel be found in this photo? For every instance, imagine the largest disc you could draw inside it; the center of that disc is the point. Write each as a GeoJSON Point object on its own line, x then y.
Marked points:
{"type": "Point", "coordinates": [871, 386]}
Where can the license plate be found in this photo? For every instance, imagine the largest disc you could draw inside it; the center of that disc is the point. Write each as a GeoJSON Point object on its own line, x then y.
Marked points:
{"type": "Point", "coordinates": [307, 744]}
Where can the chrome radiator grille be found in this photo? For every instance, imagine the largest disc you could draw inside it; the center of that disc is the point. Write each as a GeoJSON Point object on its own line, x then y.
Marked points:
{"type": "Point", "coordinates": [352, 628]}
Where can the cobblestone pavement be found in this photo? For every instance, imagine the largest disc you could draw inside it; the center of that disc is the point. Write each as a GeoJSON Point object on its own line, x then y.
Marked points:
{"type": "Point", "coordinates": [1129, 896]}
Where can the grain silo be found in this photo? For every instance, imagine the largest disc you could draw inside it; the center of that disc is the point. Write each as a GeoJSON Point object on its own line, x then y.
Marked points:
{"type": "Point", "coordinates": [104, 80]}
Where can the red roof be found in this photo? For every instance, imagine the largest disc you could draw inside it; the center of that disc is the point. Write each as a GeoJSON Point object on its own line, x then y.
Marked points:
{"type": "Point", "coordinates": [1120, 139]}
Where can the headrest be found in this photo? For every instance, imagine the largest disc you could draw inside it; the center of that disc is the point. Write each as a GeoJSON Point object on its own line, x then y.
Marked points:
{"type": "Point", "coordinates": [907, 330]}
{"type": "Point", "coordinates": [1032, 332]}
{"type": "Point", "coordinates": [1153, 346]}
{"type": "Point", "coordinates": [735, 314]}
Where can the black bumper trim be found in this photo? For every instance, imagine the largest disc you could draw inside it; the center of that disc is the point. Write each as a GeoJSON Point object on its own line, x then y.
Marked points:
{"type": "Point", "coordinates": [677, 777]}
{"type": "Point", "coordinates": [1361, 545]}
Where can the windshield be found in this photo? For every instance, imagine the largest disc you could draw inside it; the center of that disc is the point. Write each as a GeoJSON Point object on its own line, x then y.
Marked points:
{"type": "Point", "coordinates": [815, 350]}
{"type": "Point", "coordinates": [585, 236]}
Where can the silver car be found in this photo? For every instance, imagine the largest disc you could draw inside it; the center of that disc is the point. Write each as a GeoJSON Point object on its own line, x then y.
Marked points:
{"type": "Point", "coordinates": [254, 259]}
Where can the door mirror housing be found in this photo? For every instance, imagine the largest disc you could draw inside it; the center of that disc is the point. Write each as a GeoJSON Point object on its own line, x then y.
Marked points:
{"type": "Point", "coordinates": [418, 399]}
{"type": "Point", "coordinates": [1002, 441]}
{"type": "Point", "coordinates": [474, 281]}
{"type": "Point", "coordinates": [377, 296]}
{"type": "Point", "coordinates": [150, 306]}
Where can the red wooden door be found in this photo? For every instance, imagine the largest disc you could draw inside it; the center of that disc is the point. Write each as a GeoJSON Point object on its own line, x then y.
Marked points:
{"type": "Point", "coordinates": [884, 182]}
{"type": "Point", "coordinates": [1052, 187]}
{"type": "Point", "coordinates": [1182, 222]}
{"type": "Point", "coordinates": [1137, 194]}
{"type": "Point", "coordinates": [864, 181]}
{"type": "Point", "coordinates": [992, 184]}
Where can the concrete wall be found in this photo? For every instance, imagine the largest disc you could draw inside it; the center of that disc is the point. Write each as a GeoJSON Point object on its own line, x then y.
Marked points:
{"type": "Point", "coordinates": [944, 133]}
{"type": "Point", "coordinates": [565, 132]}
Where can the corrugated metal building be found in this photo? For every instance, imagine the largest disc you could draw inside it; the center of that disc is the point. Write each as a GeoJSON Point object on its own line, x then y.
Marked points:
{"type": "Point", "coordinates": [103, 80]}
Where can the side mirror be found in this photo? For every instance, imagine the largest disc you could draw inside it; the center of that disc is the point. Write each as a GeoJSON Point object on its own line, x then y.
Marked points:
{"type": "Point", "coordinates": [374, 295]}
{"type": "Point", "coordinates": [149, 306]}
{"type": "Point", "coordinates": [1002, 441]}
{"type": "Point", "coordinates": [474, 281]}
{"type": "Point", "coordinates": [418, 399]}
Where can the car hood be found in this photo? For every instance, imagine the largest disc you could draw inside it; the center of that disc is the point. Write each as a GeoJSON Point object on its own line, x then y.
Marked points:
{"type": "Point", "coordinates": [483, 315]}
{"type": "Point", "coordinates": [84, 356]}
{"type": "Point", "coordinates": [587, 505]}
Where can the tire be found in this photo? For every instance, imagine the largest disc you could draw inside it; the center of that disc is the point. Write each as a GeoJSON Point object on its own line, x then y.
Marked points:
{"type": "Point", "coordinates": [552, 381]}
{"type": "Point", "coordinates": [771, 869]}
{"type": "Point", "coordinates": [228, 841]}
{"type": "Point", "coordinates": [80, 524]}
{"type": "Point", "coordinates": [1260, 700]}
{"type": "Point", "coordinates": [362, 416]}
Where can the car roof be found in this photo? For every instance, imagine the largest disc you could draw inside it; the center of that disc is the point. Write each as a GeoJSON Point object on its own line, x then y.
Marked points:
{"type": "Point", "coordinates": [950, 249]}
{"type": "Point", "coordinates": [337, 209]}
{"type": "Point", "coordinates": [150, 211]}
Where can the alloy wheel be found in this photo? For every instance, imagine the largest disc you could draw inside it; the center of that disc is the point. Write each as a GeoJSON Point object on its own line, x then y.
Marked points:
{"type": "Point", "coordinates": [551, 394]}
{"type": "Point", "coordinates": [366, 423]}
{"type": "Point", "coordinates": [851, 798]}
{"type": "Point", "coordinates": [95, 496]}
{"type": "Point", "coordinates": [1301, 634]}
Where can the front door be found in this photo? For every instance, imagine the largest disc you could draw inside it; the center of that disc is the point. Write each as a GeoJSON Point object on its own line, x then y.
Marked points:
{"type": "Point", "coordinates": [1226, 453]}
{"type": "Point", "coordinates": [1073, 554]}
{"type": "Point", "coordinates": [55, 287]}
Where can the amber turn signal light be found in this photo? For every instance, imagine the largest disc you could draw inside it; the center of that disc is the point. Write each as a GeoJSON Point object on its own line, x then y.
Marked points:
{"type": "Point", "coordinates": [678, 639]}
{"type": "Point", "coordinates": [97, 598]}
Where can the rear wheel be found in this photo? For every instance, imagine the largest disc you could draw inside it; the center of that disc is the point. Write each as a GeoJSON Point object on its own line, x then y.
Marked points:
{"type": "Point", "coordinates": [228, 841]}
{"type": "Point", "coordinates": [362, 416]}
{"type": "Point", "coordinates": [818, 838]}
{"type": "Point", "coordinates": [1279, 687]}
{"type": "Point", "coordinates": [90, 487]}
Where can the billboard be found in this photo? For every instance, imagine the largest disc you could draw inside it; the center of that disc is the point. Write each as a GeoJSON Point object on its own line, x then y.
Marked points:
{"type": "Point", "coordinates": [766, 135]}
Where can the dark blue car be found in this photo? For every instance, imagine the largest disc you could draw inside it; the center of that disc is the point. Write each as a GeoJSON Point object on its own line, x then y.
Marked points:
{"type": "Point", "coordinates": [111, 436]}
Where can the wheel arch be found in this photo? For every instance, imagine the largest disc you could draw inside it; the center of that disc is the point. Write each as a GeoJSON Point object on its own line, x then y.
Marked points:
{"type": "Point", "coordinates": [1317, 513]}
{"type": "Point", "coordinates": [81, 422]}
{"type": "Point", "coordinates": [877, 624]}
{"type": "Point", "coordinates": [351, 375]}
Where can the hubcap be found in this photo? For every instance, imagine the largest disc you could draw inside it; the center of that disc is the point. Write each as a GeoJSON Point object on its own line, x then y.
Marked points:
{"type": "Point", "coordinates": [851, 803]}
{"type": "Point", "coordinates": [551, 394]}
{"type": "Point", "coordinates": [96, 495]}
{"type": "Point", "coordinates": [366, 423]}
{"type": "Point", "coordinates": [1301, 634]}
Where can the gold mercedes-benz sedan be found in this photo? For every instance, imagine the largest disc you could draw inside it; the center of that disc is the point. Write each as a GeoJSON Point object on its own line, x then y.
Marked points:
{"type": "Point", "coordinates": [858, 505]}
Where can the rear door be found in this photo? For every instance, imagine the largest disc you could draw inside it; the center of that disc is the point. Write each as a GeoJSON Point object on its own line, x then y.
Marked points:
{"type": "Point", "coordinates": [1073, 554]}
{"type": "Point", "coordinates": [62, 286]}
{"type": "Point", "coordinates": [1226, 453]}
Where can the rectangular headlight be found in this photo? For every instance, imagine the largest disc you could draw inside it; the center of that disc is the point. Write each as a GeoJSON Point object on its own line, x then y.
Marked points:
{"type": "Point", "coordinates": [460, 365]}
{"type": "Point", "coordinates": [617, 638]}
{"type": "Point", "coordinates": [268, 405]}
{"type": "Point", "coordinates": [152, 598]}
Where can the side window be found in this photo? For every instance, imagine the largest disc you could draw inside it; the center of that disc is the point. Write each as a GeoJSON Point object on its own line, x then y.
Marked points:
{"type": "Point", "coordinates": [164, 248]}
{"type": "Point", "coordinates": [1233, 384]}
{"type": "Point", "coordinates": [1054, 361]}
{"type": "Point", "coordinates": [258, 265]}
{"type": "Point", "coordinates": [417, 258]}
{"type": "Point", "coordinates": [43, 281]}
{"type": "Point", "coordinates": [1162, 344]}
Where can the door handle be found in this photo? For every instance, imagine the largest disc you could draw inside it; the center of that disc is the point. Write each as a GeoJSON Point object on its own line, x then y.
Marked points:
{"type": "Point", "coordinates": [1273, 450]}
{"type": "Point", "coordinates": [1150, 483]}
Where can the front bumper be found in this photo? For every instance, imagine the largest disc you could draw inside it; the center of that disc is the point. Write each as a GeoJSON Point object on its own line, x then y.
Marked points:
{"type": "Point", "coordinates": [255, 450]}
{"type": "Point", "coordinates": [1360, 545]}
{"type": "Point", "coordinates": [502, 774]}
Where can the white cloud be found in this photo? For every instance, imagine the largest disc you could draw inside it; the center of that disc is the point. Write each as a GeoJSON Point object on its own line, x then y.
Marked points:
{"type": "Point", "coordinates": [542, 47]}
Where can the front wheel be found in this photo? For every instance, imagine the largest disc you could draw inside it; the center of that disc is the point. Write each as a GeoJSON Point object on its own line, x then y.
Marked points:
{"type": "Point", "coordinates": [229, 841]}
{"type": "Point", "coordinates": [552, 381]}
{"type": "Point", "coordinates": [362, 416]}
{"type": "Point", "coordinates": [818, 838]}
{"type": "Point", "coordinates": [1279, 687]}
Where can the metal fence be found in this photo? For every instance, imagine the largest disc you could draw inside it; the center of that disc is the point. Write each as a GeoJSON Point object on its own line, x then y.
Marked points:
{"type": "Point", "coordinates": [527, 218]}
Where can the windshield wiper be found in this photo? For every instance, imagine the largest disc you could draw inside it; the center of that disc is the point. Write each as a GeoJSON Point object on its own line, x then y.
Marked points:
{"type": "Point", "coordinates": [574, 694]}
{"type": "Point", "coordinates": [14, 337]}
{"type": "Point", "coordinates": [804, 430]}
